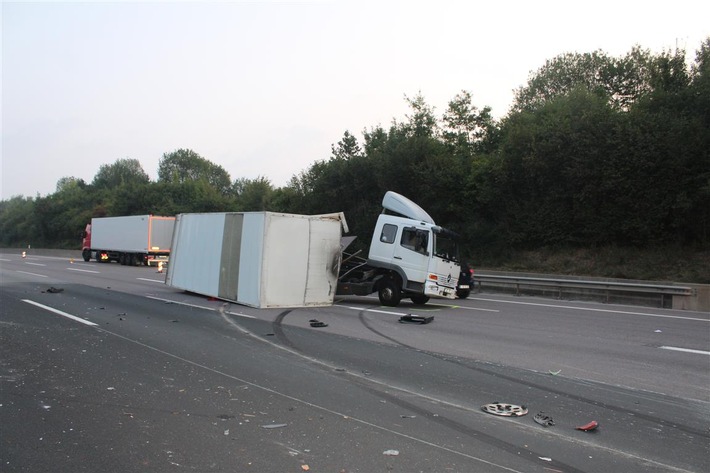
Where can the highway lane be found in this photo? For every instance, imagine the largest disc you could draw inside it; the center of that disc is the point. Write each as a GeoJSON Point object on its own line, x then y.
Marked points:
{"type": "Point", "coordinates": [414, 388]}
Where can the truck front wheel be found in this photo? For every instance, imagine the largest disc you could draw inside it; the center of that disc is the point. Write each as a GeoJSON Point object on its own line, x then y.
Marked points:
{"type": "Point", "coordinates": [389, 293]}
{"type": "Point", "coordinates": [420, 299]}
{"type": "Point", "coordinates": [86, 254]}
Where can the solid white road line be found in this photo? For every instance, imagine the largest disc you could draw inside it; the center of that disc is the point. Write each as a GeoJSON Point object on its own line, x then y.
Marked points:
{"type": "Point", "coordinates": [686, 350]}
{"type": "Point", "coordinates": [84, 270]}
{"type": "Point", "coordinates": [200, 307]}
{"type": "Point", "coordinates": [59, 312]}
{"type": "Point", "coordinates": [590, 309]}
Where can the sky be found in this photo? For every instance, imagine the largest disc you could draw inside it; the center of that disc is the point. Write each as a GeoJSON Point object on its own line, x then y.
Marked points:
{"type": "Point", "coordinates": [265, 88]}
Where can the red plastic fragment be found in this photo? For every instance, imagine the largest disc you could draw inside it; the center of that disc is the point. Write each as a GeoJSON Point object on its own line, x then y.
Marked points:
{"type": "Point", "coordinates": [590, 426]}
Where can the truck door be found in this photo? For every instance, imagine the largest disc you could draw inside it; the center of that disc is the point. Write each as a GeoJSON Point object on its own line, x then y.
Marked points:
{"type": "Point", "coordinates": [412, 253]}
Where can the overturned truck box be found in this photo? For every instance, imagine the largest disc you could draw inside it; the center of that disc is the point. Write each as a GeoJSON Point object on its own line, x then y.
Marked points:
{"type": "Point", "coordinates": [258, 259]}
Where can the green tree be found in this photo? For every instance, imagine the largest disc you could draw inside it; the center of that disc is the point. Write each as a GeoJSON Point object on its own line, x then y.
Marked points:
{"type": "Point", "coordinates": [122, 172]}
{"type": "Point", "coordinates": [468, 130]}
{"type": "Point", "coordinates": [16, 222]}
{"type": "Point", "coordinates": [252, 194]}
{"type": "Point", "coordinates": [185, 165]}
{"type": "Point", "coordinates": [621, 81]}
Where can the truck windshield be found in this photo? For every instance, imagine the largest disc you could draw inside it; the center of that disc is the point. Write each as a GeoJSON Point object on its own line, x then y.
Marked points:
{"type": "Point", "coordinates": [446, 247]}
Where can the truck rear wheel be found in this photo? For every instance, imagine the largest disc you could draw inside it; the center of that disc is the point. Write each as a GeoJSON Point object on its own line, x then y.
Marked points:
{"type": "Point", "coordinates": [389, 293]}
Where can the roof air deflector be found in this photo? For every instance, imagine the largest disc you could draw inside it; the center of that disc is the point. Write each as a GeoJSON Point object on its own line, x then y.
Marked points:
{"type": "Point", "coordinates": [401, 205]}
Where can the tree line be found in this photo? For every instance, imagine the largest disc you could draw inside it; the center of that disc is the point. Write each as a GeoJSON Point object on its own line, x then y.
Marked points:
{"type": "Point", "coordinates": [596, 150]}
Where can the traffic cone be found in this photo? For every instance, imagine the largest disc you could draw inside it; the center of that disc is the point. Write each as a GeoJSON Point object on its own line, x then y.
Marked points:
{"type": "Point", "coordinates": [160, 266]}
{"type": "Point", "coordinates": [24, 254]}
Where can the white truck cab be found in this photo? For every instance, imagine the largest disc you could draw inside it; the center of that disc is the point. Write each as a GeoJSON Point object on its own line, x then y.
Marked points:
{"type": "Point", "coordinates": [410, 256]}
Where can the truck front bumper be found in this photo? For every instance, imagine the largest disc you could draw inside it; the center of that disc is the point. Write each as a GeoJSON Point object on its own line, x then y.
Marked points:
{"type": "Point", "coordinates": [432, 289]}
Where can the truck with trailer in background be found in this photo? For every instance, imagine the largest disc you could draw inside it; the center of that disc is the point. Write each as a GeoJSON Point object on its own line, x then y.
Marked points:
{"type": "Point", "coordinates": [132, 240]}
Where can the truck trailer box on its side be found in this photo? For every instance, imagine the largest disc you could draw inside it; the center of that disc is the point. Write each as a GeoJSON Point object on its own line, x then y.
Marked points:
{"type": "Point", "coordinates": [258, 259]}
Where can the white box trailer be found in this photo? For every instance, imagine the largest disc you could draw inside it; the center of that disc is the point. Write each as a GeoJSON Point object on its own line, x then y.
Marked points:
{"type": "Point", "coordinates": [258, 259]}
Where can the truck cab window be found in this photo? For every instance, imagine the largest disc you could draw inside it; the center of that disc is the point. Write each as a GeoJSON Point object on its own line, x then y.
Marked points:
{"type": "Point", "coordinates": [389, 233]}
{"type": "Point", "coordinates": [446, 247]}
{"type": "Point", "coordinates": [415, 240]}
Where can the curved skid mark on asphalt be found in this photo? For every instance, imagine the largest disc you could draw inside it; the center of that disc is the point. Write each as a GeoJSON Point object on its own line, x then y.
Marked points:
{"type": "Point", "coordinates": [369, 384]}
{"type": "Point", "coordinates": [480, 369]}
{"type": "Point", "coordinates": [372, 382]}
{"type": "Point", "coordinates": [303, 401]}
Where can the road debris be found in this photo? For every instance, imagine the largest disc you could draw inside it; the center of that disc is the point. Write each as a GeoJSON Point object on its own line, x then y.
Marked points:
{"type": "Point", "coordinates": [317, 323]}
{"type": "Point", "coordinates": [543, 419]}
{"type": "Point", "coordinates": [54, 290]}
{"type": "Point", "coordinates": [587, 427]}
{"type": "Point", "coordinates": [555, 373]}
{"type": "Point", "coordinates": [416, 319]}
{"type": "Point", "coordinates": [273, 426]}
{"type": "Point", "coordinates": [391, 453]}
{"type": "Point", "coordinates": [503, 409]}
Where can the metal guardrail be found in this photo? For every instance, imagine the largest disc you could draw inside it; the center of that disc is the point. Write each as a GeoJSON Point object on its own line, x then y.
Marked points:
{"type": "Point", "coordinates": [562, 285]}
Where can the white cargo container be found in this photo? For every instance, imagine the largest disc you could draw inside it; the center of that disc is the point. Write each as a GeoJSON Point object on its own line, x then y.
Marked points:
{"type": "Point", "coordinates": [259, 259]}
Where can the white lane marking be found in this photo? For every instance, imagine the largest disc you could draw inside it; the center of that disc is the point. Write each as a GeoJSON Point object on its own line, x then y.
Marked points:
{"type": "Point", "coordinates": [152, 280]}
{"type": "Point", "coordinates": [370, 310]}
{"type": "Point", "coordinates": [3, 259]}
{"type": "Point", "coordinates": [686, 350]}
{"type": "Point", "coordinates": [406, 313]}
{"type": "Point", "coordinates": [59, 312]}
{"type": "Point", "coordinates": [35, 264]}
{"type": "Point", "coordinates": [34, 274]}
{"type": "Point", "coordinates": [84, 270]}
{"type": "Point", "coordinates": [475, 308]}
{"type": "Point", "coordinates": [199, 307]}
{"type": "Point", "coordinates": [646, 314]}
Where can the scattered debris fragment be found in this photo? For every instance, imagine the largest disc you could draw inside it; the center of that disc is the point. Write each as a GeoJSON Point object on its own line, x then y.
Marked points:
{"type": "Point", "coordinates": [305, 467]}
{"type": "Point", "coordinates": [55, 290]}
{"type": "Point", "coordinates": [506, 410]}
{"type": "Point", "coordinates": [392, 453]}
{"type": "Point", "coordinates": [587, 427]}
{"type": "Point", "coordinates": [416, 319]}
{"type": "Point", "coordinates": [404, 416]}
{"type": "Point", "coordinates": [555, 373]}
{"type": "Point", "coordinates": [317, 323]}
{"type": "Point", "coordinates": [658, 331]}
{"type": "Point", "coordinates": [273, 426]}
{"type": "Point", "coordinates": [543, 419]}
{"type": "Point", "coordinates": [546, 459]}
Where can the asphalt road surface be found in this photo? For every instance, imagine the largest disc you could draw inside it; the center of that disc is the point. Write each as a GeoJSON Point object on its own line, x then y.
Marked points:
{"type": "Point", "coordinates": [104, 368]}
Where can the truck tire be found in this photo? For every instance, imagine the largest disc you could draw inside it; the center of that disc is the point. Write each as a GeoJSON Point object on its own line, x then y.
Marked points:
{"type": "Point", "coordinates": [86, 254]}
{"type": "Point", "coordinates": [389, 293]}
{"type": "Point", "coordinates": [463, 293]}
{"type": "Point", "coordinates": [420, 299]}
